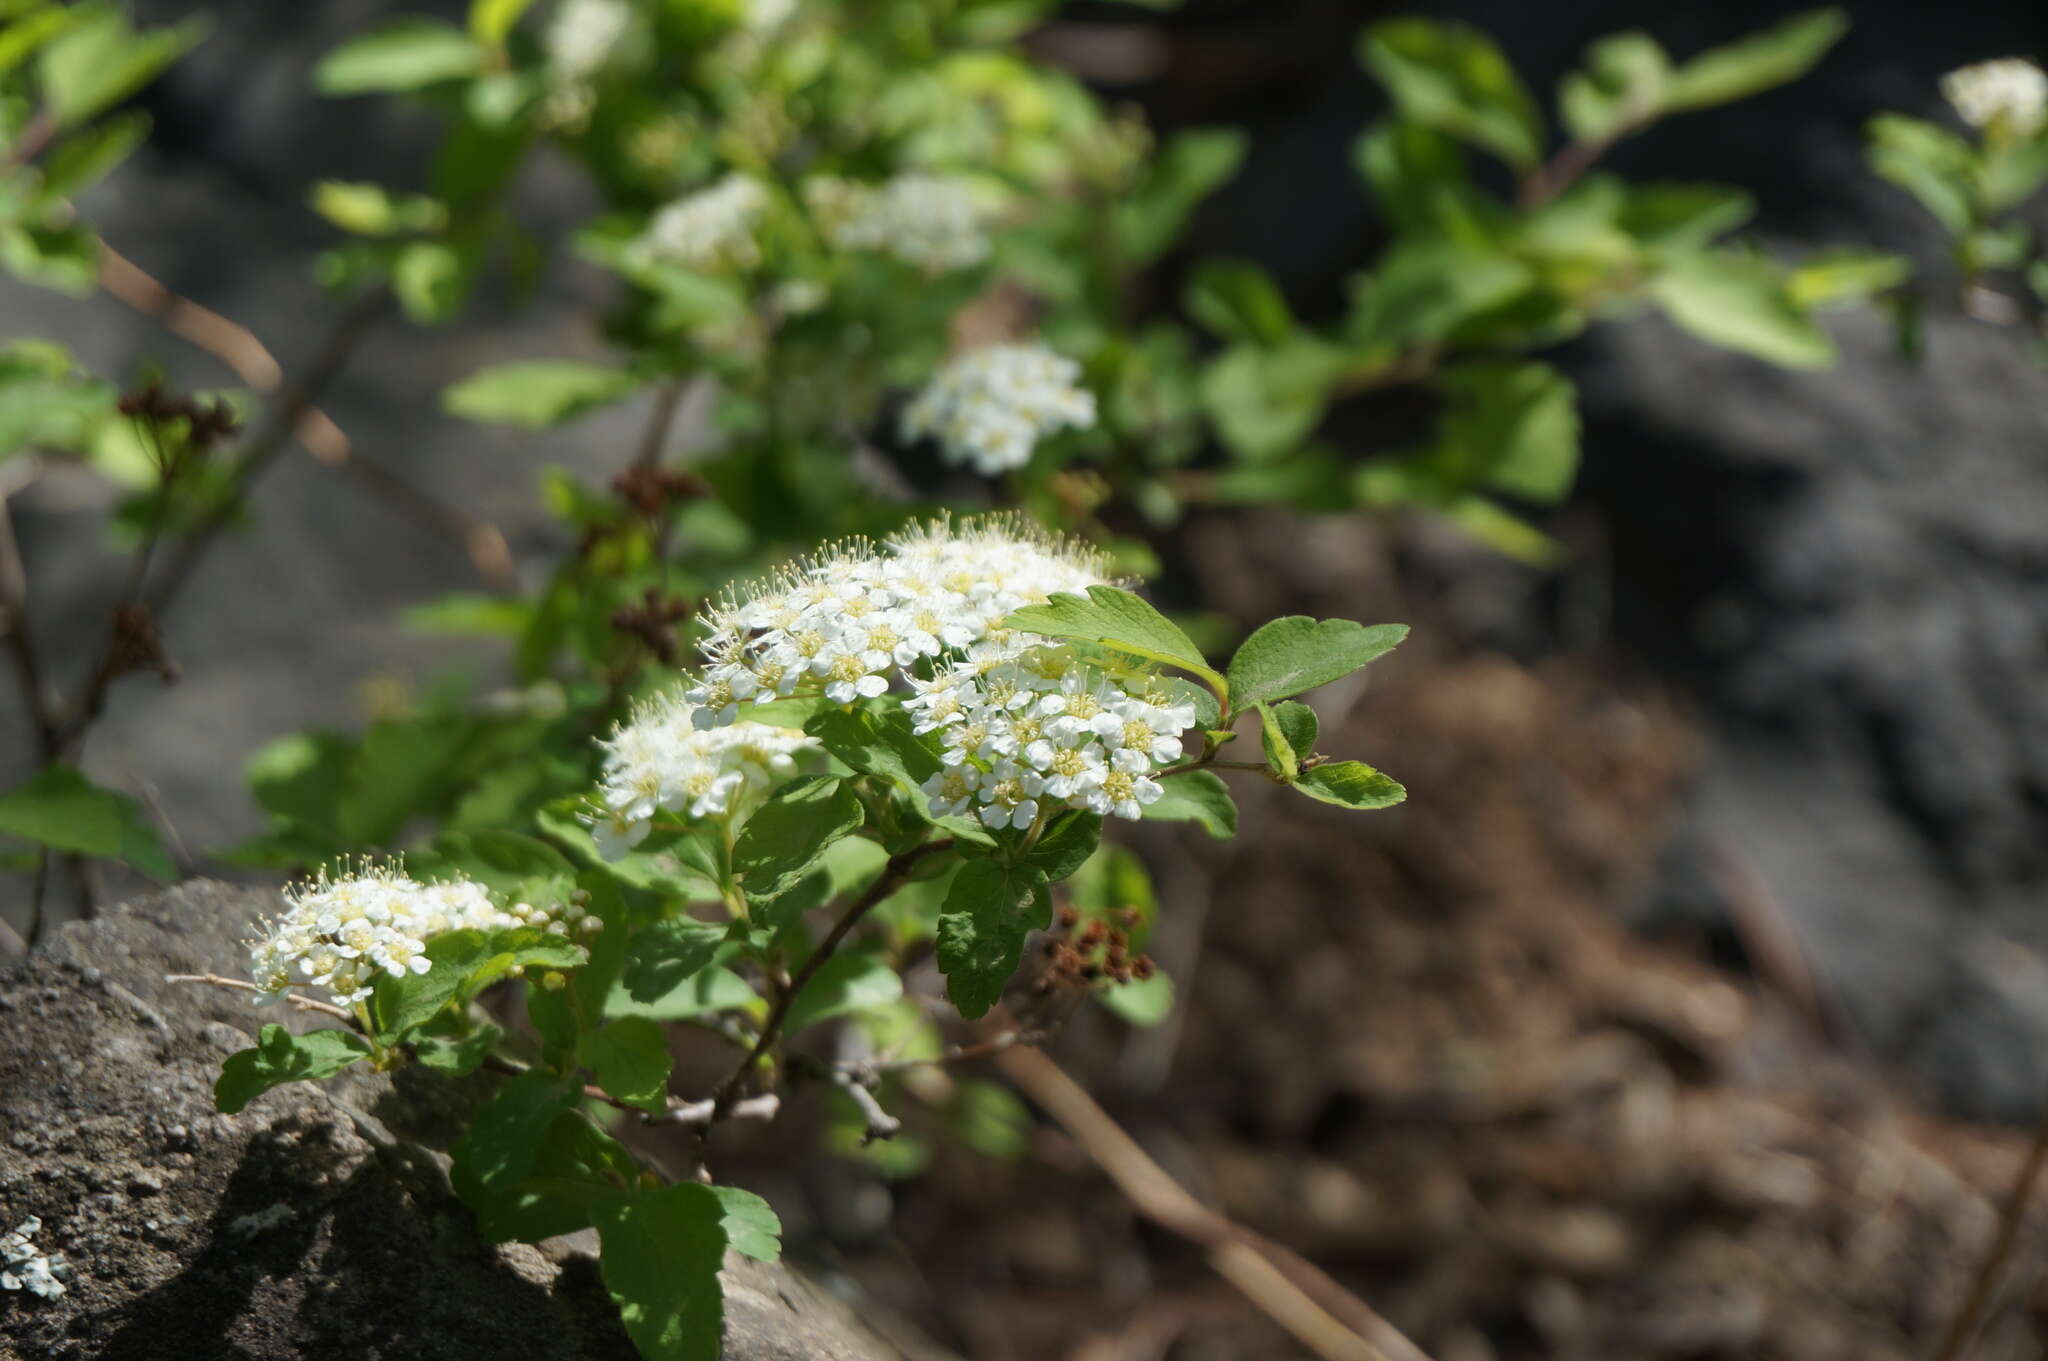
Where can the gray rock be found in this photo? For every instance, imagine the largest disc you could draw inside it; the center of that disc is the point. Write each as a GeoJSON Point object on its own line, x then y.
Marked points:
{"type": "Point", "coordinates": [310, 1225]}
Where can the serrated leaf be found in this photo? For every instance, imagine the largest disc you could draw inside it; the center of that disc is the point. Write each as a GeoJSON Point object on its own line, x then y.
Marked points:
{"type": "Point", "coordinates": [852, 981]}
{"type": "Point", "coordinates": [630, 1059]}
{"type": "Point", "coordinates": [537, 394]}
{"type": "Point", "coordinates": [1290, 655]}
{"type": "Point", "coordinates": [988, 912]}
{"type": "Point", "coordinates": [1419, 176]}
{"type": "Point", "coordinates": [1116, 619]}
{"type": "Point", "coordinates": [1511, 426]}
{"type": "Point", "coordinates": [1622, 87]}
{"type": "Point", "coordinates": [1066, 845]}
{"type": "Point", "coordinates": [1683, 216]}
{"type": "Point", "coordinates": [1422, 290]}
{"type": "Point", "coordinates": [409, 54]}
{"type": "Point", "coordinates": [661, 1251]}
{"type": "Point", "coordinates": [575, 1166]}
{"type": "Point", "coordinates": [663, 957]}
{"type": "Point", "coordinates": [788, 833]}
{"type": "Point", "coordinates": [504, 1137]}
{"type": "Point", "coordinates": [751, 1224]}
{"type": "Point", "coordinates": [1238, 300]}
{"type": "Point", "coordinates": [1350, 784]}
{"type": "Point", "coordinates": [456, 1055]}
{"type": "Point", "coordinates": [1198, 796]}
{"type": "Point", "coordinates": [60, 808]}
{"type": "Point", "coordinates": [280, 1057]}
{"type": "Point", "coordinates": [1452, 77]}
{"type": "Point", "coordinates": [1288, 731]}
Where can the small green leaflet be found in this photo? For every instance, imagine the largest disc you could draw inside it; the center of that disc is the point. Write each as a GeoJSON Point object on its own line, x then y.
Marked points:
{"type": "Point", "coordinates": [505, 1137]}
{"type": "Point", "coordinates": [630, 1059]}
{"type": "Point", "coordinates": [1196, 796]}
{"type": "Point", "coordinates": [1066, 845]}
{"type": "Point", "coordinates": [661, 1251]}
{"type": "Point", "coordinates": [1288, 730]}
{"type": "Point", "coordinates": [1452, 77]}
{"type": "Point", "coordinates": [1119, 620]}
{"type": "Point", "coordinates": [751, 1224]}
{"type": "Point", "coordinates": [537, 394]}
{"type": "Point", "coordinates": [880, 743]}
{"type": "Point", "coordinates": [1350, 784]}
{"type": "Point", "coordinates": [788, 833]}
{"type": "Point", "coordinates": [1142, 1002]}
{"type": "Point", "coordinates": [1297, 653]}
{"type": "Point", "coordinates": [280, 1057]}
{"type": "Point", "coordinates": [853, 981]}
{"type": "Point", "coordinates": [988, 912]}
{"type": "Point", "coordinates": [409, 54]}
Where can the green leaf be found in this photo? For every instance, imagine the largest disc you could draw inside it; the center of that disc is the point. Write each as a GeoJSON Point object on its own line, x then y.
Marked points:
{"type": "Point", "coordinates": [456, 1055]}
{"type": "Point", "coordinates": [1683, 216]}
{"type": "Point", "coordinates": [468, 614]}
{"type": "Point", "coordinates": [462, 964]}
{"type": "Point", "coordinates": [83, 159]}
{"type": "Point", "coordinates": [713, 989]}
{"type": "Point", "coordinates": [661, 1251]}
{"type": "Point", "coordinates": [1423, 290]}
{"type": "Point", "coordinates": [988, 912]}
{"type": "Point", "coordinates": [630, 1059]}
{"type": "Point", "coordinates": [1267, 401]}
{"type": "Point", "coordinates": [1288, 731]}
{"type": "Point", "coordinates": [1196, 796]}
{"type": "Point", "coordinates": [409, 54]}
{"type": "Point", "coordinates": [431, 280]}
{"type": "Point", "coordinates": [1451, 77]}
{"type": "Point", "coordinates": [663, 957]}
{"type": "Point", "coordinates": [1148, 218]}
{"type": "Point", "coordinates": [1929, 162]}
{"type": "Point", "coordinates": [1419, 176]}
{"type": "Point", "coordinates": [65, 258]}
{"type": "Point", "coordinates": [280, 1057]}
{"type": "Point", "coordinates": [1118, 620]}
{"type": "Point", "coordinates": [853, 981]}
{"type": "Point", "coordinates": [373, 210]}
{"type": "Point", "coordinates": [1757, 63]}
{"type": "Point", "coordinates": [1066, 845]}
{"type": "Point", "coordinates": [504, 1137]}
{"type": "Point", "coordinates": [21, 38]}
{"type": "Point", "coordinates": [58, 410]}
{"type": "Point", "coordinates": [101, 60]}
{"type": "Point", "coordinates": [491, 20]}
{"type": "Point", "coordinates": [1510, 425]}
{"type": "Point", "coordinates": [991, 1119]}
{"type": "Point", "coordinates": [1740, 303]}
{"type": "Point", "coordinates": [60, 808]}
{"type": "Point", "coordinates": [751, 1224]}
{"type": "Point", "coordinates": [1142, 1001]}
{"type": "Point", "coordinates": [575, 1167]}
{"type": "Point", "coordinates": [1296, 653]}
{"type": "Point", "coordinates": [1846, 275]}
{"type": "Point", "coordinates": [1350, 784]}
{"type": "Point", "coordinates": [1239, 301]}
{"type": "Point", "coordinates": [1622, 87]}
{"type": "Point", "coordinates": [537, 394]}
{"type": "Point", "coordinates": [787, 834]}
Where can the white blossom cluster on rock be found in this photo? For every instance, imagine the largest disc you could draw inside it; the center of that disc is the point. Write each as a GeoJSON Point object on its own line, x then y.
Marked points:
{"type": "Point", "coordinates": [934, 222]}
{"type": "Point", "coordinates": [24, 1266]}
{"type": "Point", "coordinates": [665, 759]}
{"type": "Point", "coordinates": [710, 228]}
{"type": "Point", "coordinates": [341, 934]}
{"type": "Point", "coordinates": [2011, 92]}
{"type": "Point", "coordinates": [990, 407]}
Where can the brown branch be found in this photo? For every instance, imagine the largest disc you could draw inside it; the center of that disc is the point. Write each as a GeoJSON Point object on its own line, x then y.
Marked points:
{"type": "Point", "coordinates": [1320, 1313]}
{"type": "Point", "coordinates": [251, 361]}
{"type": "Point", "coordinates": [1963, 1327]}
{"type": "Point", "coordinates": [892, 878]}
{"type": "Point", "coordinates": [244, 985]}
{"type": "Point", "coordinates": [21, 648]}
{"type": "Point", "coordinates": [654, 439]}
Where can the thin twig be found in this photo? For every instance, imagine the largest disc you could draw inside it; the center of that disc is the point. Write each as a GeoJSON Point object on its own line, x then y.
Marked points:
{"type": "Point", "coordinates": [655, 438]}
{"type": "Point", "coordinates": [892, 878]}
{"type": "Point", "coordinates": [21, 647]}
{"type": "Point", "coordinates": [244, 985]}
{"type": "Point", "coordinates": [965, 1053]}
{"type": "Point", "coordinates": [699, 1114]}
{"type": "Point", "coordinates": [1963, 1327]}
{"type": "Point", "coordinates": [1320, 1313]}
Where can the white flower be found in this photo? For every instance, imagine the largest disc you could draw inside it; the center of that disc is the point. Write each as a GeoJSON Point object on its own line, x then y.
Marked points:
{"type": "Point", "coordinates": [710, 228]}
{"type": "Point", "coordinates": [670, 757]}
{"type": "Point", "coordinates": [2011, 92]}
{"type": "Point", "coordinates": [343, 934]}
{"type": "Point", "coordinates": [990, 407]}
{"type": "Point", "coordinates": [934, 222]}
{"type": "Point", "coordinates": [581, 37]}
{"type": "Point", "coordinates": [952, 790]}
{"type": "Point", "coordinates": [24, 1266]}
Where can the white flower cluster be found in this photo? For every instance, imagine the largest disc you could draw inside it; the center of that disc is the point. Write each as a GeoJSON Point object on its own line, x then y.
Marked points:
{"type": "Point", "coordinates": [581, 36]}
{"type": "Point", "coordinates": [24, 1266]}
{"type": "Point", "coordinates": [340, 934]}
{"type": "Point", "coordinates": [931, 221]}
{"type": "Point", "coordinates": [2011, 90]}
{"type": "Point", "coordinates": [991, 406]}
{"type": "Point", "coordinates": [667, 757]}
{"type": "Point", "coordinates": [1032, 729]}
{"type": "Point", "coordinates": [1027, 724]}
{"type": "Point", "coordinates": [709, 228]}
{"type": "Point", "coordinates": [851, 621]}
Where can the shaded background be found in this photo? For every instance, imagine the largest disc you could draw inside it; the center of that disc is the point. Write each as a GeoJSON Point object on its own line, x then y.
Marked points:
{"type": "Point", "coordinates": [1785, 712]}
